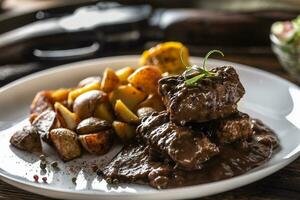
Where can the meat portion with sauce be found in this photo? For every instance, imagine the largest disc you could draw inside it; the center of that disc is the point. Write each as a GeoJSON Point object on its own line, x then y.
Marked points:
{"type": "Point", "coordinates": [189, 149]}
{"type": "Point", "coordinates": [211, 98]}
{"type": "Point", "coordinates": [136, 163]}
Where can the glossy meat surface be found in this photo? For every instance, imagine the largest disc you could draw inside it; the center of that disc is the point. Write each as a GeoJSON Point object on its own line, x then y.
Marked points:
{"type": "Point", "coordinates": [211, 98]}
{"type": "Point", "coordinates": [187, 148]}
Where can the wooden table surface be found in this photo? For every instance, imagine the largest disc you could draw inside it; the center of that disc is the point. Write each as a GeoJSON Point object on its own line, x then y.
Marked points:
{"type": "Point", "coordinates": [283, 185]}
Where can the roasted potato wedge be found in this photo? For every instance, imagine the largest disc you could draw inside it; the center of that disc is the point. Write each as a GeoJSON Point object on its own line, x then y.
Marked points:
{"type": "Point", "coordinates": [45, 122]}
{"type": "Point", "coordinates": [105, 112]}
{"type": "Point", "coordinates": [76, 92]}
{"type": "Point", "coordinates": [85, 104]}
{"type": "Point", "coordinates": [128, 94]}
{"type": "Point", "coordinates": [124, 113]}
{"type": "Point", "coordinates": [97, 143]}
{"type": "Point", "coordinates": [146, 79]}
{"type": "Point", "coordinates": [67, 118]}
{"type": "Point", "coordinates": [109, 80]}
{"type": "Point", "coordinates": [170, 57]}
{"type": "Point", "coordinates": [66, 143]}
{"type": "Point", "coordinates": [27, 139]}
{"type": "Point", "coordinates": [124, 73]}
{"type": "Point", "coordinates": [60, 95]}
{"type": "Point", "coordinates": [154, 101]}
{"type": "Point", "coordinates": [41, 102]}
{"type": "Point", "coordinates": [125, 131]}
{"type": "Point", "coordinates": [92, 125]}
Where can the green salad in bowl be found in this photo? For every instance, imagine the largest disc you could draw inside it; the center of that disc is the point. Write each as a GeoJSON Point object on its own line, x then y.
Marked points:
{"type": "Point", "coordinates": [285, 38]}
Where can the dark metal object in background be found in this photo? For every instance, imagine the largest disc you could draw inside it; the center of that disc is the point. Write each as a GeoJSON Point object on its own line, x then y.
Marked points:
{"type": "Point", "coordinates": [106, 28]}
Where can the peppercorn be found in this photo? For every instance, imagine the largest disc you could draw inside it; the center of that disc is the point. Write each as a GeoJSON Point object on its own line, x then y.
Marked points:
{"type": "Point", "coordinates": [99, 172]}
{"type": "Point", "coordinates": [74, 179]}
{"type": "Point", "coordinates": [44, 179]}
{"type": "Point", "coordinates": [36, 178]}
{"type": "Point", "coordinates": [43, 165]}
{"type": "Point", "coordinates": [42, 157]}
{"type": "Point", "coordinates": [115, 181]}
{"type": "Point", "coordinates": [109, 180]}
{"type": "Point", "coordinates": [54, 164]}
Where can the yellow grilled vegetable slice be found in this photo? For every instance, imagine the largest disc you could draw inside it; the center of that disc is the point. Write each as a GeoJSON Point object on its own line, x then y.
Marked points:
{"type": "Point", "coordinates": [169, 57]}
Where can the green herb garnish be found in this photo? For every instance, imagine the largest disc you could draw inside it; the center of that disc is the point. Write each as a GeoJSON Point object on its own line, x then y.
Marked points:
{"type": "Point", "coordinates": [201, 71]}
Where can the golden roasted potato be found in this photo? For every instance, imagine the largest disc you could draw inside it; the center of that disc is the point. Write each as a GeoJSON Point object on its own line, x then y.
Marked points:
{"type": "Point", "coordinates": [105, 112]}
{"type": "Point", "coordinates": [97, 143]}
{"type": "Point", "coordinates": [67, 118]}
{"type": "Point", "coordinates": [60, 95]}
{"type": "Point", "coordinates": [45, 122]}
{"type": "Point", "coordinates": [27, 139]}
{"type": "Point", "coordinates": [66, 143]}
{"type": "Point", "coordinates": [92, 125]}
{"type": "Point", "coordinates": [153, 101]}
{"type": "Point", "coordinates": [41, 102]}
{"type": "Point", "coordinates": [169, 57]}
{"type": "Point", "coordinates": [85, 104]}
{"type": "Point", "coordinates": [128, 94]}
{"type": "Point", "coordinates": [109, 80]}
{"type": "Point", "coordinates": [146, 78]}
{"type": "Point", "coordinates": [125, 131]}
{"type": "Point", "coordinates": [124, 73]}
{"type": "Point", "coordinates": [124, 113]}
{"type": "Point", "coordinates": [75, 93]}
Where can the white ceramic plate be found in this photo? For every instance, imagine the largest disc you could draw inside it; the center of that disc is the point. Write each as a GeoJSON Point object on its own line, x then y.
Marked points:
{"type": "Point", "coordinates": [268, 97]}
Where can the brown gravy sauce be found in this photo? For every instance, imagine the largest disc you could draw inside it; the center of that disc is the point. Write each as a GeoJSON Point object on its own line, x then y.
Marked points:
{"type": "Point", "coordinates": [136, 162]}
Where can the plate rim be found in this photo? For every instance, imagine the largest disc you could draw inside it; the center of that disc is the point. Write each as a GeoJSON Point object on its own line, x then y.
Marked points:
{"type": "Point", "coordinates": [187, 191]}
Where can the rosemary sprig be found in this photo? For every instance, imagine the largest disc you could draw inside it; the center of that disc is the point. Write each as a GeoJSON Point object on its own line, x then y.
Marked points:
{"type": "Point", "coordinates": [202, 72]}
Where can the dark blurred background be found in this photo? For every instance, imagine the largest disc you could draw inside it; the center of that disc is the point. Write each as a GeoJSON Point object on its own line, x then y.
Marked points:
{"type": "Point", "coordinates": [39, 34]}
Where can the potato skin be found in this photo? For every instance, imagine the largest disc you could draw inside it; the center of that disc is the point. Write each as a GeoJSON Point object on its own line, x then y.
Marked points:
{"type": "Point", "coordinates": [92, 125]}
{"type": "Point", "coordinates": [109, 80]}
{"type": "Point", "coordinates": [41, 102]}
{"type": "Point", "coordinates": [66, 143]}
{"type": "Point", "coordinates": [146, 79]}
{"type": "Point", "coordinates": [97, 143]}
{"type": "Point", "coordinates": [27, 139]}
{"type": "Point", "coordinates": [89, 80]}
{"type": "Point", "coordinates": [85, 104]}
{"type": "Point", "coordinates": [45, 122]}
{"type": "Point", "coordinates": [77, 92]}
